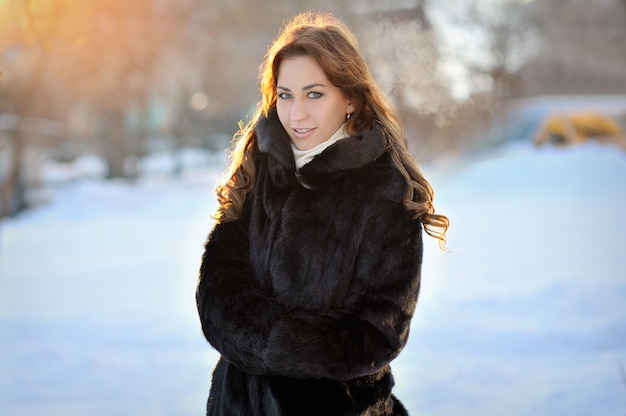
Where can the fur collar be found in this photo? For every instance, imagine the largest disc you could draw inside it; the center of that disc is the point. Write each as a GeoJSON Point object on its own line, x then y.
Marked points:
{"type": "Point", "coordinates": [347, 154]}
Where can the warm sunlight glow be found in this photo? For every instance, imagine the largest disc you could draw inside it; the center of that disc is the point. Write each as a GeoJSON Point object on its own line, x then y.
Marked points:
{"type": "Point", "coordinates": [99, 48]}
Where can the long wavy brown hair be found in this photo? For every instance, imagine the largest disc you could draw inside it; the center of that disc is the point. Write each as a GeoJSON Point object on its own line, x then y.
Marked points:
{"type": "Point", "coordinates": [334, 47]}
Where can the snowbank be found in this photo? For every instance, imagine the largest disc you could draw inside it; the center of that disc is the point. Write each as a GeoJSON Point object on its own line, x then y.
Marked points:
{"type": "Point", "coordinates": [525, 315]}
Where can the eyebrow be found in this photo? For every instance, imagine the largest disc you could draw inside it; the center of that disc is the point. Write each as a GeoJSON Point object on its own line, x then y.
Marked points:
{"type": "Point", "coordinates": [305, 88]}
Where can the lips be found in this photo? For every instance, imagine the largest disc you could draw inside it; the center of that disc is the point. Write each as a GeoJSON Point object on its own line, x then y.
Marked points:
{"type": "Point", "coordinates": [303, 133]}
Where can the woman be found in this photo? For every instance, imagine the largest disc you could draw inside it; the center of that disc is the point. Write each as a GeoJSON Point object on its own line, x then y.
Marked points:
{"type": "Point", "coordinates": [310, 277]}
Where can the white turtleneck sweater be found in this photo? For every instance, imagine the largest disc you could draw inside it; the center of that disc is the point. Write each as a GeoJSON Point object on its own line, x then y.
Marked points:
{"type": "Point", "coordinates": [305, 156]}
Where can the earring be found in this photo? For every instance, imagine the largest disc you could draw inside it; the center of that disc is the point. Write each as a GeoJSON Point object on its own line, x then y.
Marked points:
{"type": "Point", "coordinates": [348, 116]}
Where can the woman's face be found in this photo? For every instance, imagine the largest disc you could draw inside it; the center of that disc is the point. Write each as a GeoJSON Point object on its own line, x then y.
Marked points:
{"type": "Point", "coordinates": [310, 108]}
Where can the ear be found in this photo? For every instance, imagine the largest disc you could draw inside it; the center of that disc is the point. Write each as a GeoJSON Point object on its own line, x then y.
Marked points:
{"type": "Point", "coordinates": [350, 108]}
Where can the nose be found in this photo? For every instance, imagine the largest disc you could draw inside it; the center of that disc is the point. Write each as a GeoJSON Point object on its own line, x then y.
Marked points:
{"type": "Point", "coordinates": [298, 110]}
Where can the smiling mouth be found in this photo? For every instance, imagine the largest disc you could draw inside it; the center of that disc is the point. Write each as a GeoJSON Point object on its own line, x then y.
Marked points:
{"type": "Point", "coordinates": [302, 133]}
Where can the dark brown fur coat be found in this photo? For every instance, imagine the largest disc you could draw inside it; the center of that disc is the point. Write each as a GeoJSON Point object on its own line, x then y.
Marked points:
{"type": "Point", "coordinates": [309, 295]}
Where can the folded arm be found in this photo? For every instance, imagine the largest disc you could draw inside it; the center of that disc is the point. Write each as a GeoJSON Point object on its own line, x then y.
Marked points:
{"type": "Point", "coordinates": [235, 312]}
{"type": "Point", "coordinates": [373, 326]}
{"type": "Point", "coordinates": [260, 336]}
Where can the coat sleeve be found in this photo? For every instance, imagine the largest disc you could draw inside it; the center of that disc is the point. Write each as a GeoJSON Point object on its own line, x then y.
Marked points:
{"type": "Point", "coordinates": [235, 312]}
{"type": "Point", "coordinates": [373, 325]}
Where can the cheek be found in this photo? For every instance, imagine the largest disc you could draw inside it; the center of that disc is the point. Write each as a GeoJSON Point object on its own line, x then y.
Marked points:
{"type": "Point", "coordinates": [335, 116]}
{"type": "Point", "coordinates": [283, 114]}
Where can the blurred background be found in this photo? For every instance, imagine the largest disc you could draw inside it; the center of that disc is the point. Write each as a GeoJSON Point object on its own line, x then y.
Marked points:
{"type": "Point", "coordinates": [114, 121]}
{"type": "Point", "coordinates": [117, 81]}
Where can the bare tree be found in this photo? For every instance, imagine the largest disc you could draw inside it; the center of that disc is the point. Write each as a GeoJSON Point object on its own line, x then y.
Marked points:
{"type": "Point", "coordinates": [404, 56]}
{"type": "Point", "coordinates": [583, 48]}
{"type": "Point", "coordinates": [498, 40]}
{"type": "Point", "coordinates": [24, 90]}
{"type": "Point", "coordinates": [103, 57]}
{"type": "Point", "coordinates": [111, 68]}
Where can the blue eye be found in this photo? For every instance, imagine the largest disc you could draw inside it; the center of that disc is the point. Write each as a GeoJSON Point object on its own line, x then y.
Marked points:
{"type": "Point", "coordinates": [315, 95]}
{"type": "Point", "coordinates": [284, 95]}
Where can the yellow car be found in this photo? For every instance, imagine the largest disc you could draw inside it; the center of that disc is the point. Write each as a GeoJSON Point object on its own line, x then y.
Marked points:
{"type": "Point", "coordinates": [571, 128]}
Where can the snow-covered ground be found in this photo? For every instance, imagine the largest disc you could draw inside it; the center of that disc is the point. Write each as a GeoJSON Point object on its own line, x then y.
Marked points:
{"type": "Point", "coordinates": [526, 315]}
